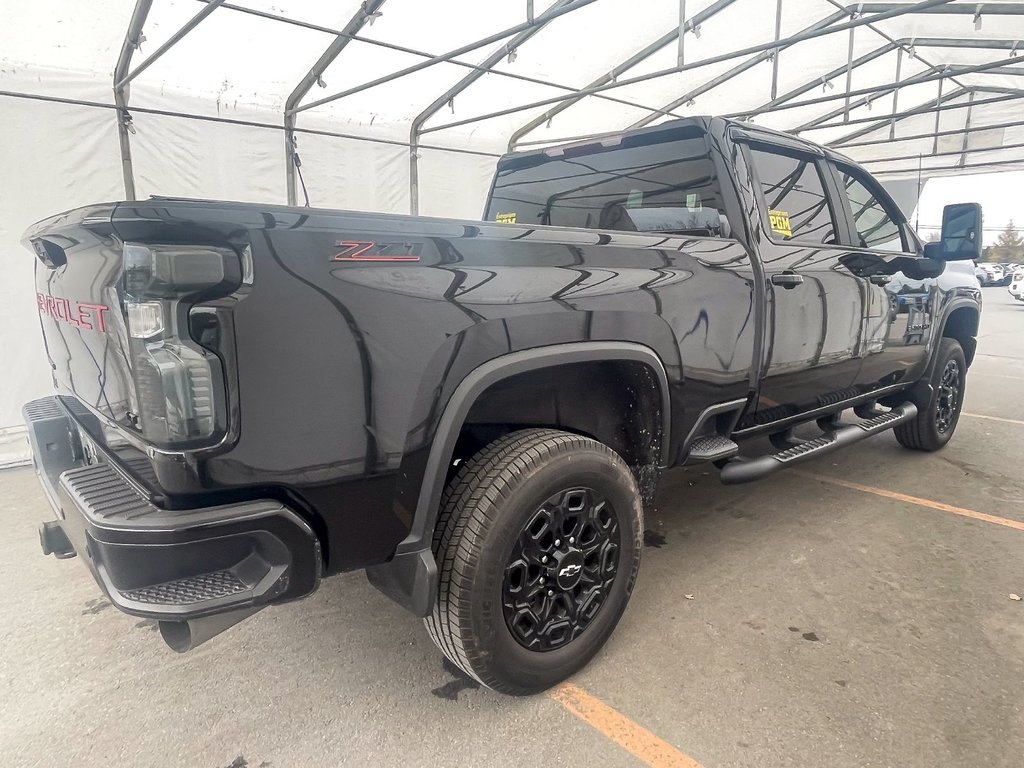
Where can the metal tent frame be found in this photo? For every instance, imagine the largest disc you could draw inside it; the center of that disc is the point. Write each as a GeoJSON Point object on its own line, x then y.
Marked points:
{"type": "Point", "coordinates": [849, 18]}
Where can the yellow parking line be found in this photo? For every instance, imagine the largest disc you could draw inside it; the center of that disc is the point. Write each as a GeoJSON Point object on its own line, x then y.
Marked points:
{"type": "Point", "coordinates": [993, 418]}
{"type": "Point", "coordinates": [635, 739]}
{"type": "Point", "coordinates": [994, 519]}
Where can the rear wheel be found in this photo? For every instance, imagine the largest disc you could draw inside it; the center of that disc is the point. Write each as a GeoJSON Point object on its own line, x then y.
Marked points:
{"type": "Point", "coordinates": [938, 416]}
{"type": "Point", "coordinates": [538, 546]}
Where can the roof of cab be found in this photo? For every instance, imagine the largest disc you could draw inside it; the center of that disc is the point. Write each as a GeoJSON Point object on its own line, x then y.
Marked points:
{"type": "Point", "coordinates": [708, 123]}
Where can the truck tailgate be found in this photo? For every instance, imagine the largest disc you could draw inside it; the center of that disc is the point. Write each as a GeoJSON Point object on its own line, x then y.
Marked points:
{"type": "Point", "coordinates": [77, 273]}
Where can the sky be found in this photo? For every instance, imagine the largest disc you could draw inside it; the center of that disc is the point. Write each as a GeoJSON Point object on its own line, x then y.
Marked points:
{"type": "Point", "coordinates": [1000, 195]}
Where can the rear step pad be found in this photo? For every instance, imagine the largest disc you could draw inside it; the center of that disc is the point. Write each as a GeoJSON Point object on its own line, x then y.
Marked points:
{"type": "Point", "coordinates": [740, 470]}
{"type": "Point", "coordinates": [712, 448]}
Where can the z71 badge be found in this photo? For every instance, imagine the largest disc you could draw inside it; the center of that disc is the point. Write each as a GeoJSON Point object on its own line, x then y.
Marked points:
{"type": "Point", "coordinates": [368, 250]}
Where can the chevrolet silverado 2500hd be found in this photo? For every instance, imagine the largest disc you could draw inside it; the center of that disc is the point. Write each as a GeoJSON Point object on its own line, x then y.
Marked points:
{"type": "Point", "coordinates": [250, 398]}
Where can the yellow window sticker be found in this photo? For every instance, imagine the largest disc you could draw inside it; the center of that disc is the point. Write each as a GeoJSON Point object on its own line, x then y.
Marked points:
{"type": "Point", "coordinates": [506, 218]}
{"type": "Point", "coordinates": [779, 222]}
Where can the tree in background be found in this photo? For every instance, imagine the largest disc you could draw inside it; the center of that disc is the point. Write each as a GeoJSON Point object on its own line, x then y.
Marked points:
{"type": "Point", "coordinates": [1009, 247]}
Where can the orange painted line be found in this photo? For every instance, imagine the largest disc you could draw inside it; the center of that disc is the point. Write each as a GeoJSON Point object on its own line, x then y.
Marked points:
{"type": "Point", "coordinates": [614, 725]}
{"type": "Point", "coordinates": [993, 418]}
{"type": "Point", "coordinates": [994, 519]}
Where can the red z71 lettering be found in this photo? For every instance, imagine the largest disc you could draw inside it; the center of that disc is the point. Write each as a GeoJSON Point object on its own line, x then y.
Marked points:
{"type": "Point", "coordinates": [367, 250]}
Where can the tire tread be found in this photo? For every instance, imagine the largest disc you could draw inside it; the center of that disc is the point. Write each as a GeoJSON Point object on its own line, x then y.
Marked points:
{"type": "Point", "coordinates": [469, 508]}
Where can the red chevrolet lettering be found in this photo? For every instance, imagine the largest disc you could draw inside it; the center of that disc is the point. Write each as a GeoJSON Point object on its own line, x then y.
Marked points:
{"type": "Point", "coordinates": [100, 309]}
{"type": "Point", "coordinates": [79, 314]}
{"type": "Point", "coordinates": [83, 318]}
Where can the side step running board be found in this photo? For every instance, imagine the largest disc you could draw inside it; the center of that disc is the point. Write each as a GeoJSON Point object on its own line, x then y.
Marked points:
{"type": "Point", "coordinates": [741, 470]}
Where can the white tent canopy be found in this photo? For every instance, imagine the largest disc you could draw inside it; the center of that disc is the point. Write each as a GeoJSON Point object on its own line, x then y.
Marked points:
{"type": "Point", "coordinates": [404, 105]}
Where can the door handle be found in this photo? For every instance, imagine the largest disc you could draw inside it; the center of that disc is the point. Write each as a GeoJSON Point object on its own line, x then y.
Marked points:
{"type": "Point", "coordinates": [880, 279]}
{"type": "Point", "coordinates": [787, 279]}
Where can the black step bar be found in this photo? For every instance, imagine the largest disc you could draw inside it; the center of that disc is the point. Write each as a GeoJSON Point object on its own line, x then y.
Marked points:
{"type": "Point", "coordinates": [741, 470]}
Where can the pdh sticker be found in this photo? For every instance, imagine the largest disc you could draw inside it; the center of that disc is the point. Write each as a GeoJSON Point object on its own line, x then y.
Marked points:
{"type": "Point", "coordinates": [506, 218]}
{"type": "Point", "coordinates": [779, 223]}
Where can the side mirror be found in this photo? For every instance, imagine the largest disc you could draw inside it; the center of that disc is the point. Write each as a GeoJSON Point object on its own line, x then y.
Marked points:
{"type": "Point", "coordinates": [961, 234]}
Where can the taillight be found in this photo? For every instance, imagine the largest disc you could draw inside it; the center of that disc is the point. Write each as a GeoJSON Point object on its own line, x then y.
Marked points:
{"type": "Point", "coordinates": [179, 383]}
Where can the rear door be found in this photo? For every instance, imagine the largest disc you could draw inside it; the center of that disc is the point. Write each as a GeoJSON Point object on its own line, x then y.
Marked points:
{"type": "Point", "coordinates": [815, 308]}
{"type": "Point", "coordinates": [899, 293]}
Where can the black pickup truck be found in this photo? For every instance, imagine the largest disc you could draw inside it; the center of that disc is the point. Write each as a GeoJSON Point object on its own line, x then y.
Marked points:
{"type": "Point", "coordinates": [252, 397]}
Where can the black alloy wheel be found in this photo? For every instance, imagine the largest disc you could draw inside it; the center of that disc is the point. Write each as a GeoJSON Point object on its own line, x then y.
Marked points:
{"type": "Point", "coordinates": [948, 402]}
{"type": "Point", "coordinates": [561, 568]}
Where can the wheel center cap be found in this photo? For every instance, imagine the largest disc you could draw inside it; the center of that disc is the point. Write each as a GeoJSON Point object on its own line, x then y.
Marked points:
{"type": "Point", "coordinates": [568, 568]}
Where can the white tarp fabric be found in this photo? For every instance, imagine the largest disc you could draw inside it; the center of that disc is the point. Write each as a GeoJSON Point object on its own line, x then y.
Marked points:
{"type": "Point", "coordinates": [208, 114]}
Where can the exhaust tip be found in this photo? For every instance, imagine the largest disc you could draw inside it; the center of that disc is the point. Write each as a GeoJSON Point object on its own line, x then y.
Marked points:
{"type": "Point", "coordinates": [182, 636]}
{"type": "Point", "coordinates": [177, 635]}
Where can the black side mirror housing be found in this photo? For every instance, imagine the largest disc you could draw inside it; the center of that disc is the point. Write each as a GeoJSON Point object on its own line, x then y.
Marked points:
{"type": "Point", "coordinates": [961, 234]}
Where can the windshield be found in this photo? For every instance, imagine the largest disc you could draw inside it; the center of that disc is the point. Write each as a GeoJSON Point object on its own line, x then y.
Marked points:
{"type": "Point", "coordinates": [663, 181]}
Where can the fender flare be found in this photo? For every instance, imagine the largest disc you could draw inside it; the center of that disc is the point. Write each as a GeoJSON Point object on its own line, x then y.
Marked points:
{"type": "Point", "coordinates": [922, 389]}
{"type": "Point", "coordinates": [410, 577]}
{"type": "Point", "coordinates": [958, 303]}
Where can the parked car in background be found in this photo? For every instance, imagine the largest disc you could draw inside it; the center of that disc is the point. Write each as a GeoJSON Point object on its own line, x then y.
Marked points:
{"type": "Point", "coordinates": [1008, 270]}
{"type": "Point", "coordinates": [1016, 287]}
{"type": "Point", "coordinates": [989, 274]}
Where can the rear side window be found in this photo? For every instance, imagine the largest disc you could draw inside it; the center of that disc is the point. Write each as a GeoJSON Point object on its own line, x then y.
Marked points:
{"type": "Point", "coordinates": [876, 226]}
{"type": "Point", "coordinates": [797, 207]}
{"type": "Point", "coordinates": [657, 182]}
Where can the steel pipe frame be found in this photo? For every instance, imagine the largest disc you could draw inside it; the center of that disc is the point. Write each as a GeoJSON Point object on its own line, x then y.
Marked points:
{"type": "Point", "coordinates": [881, 11]}
{"type": "Point", "coordinates": [775, 54]}
{"type": "Point", "coordinates": [980, 69]}
{"type": "Point", "coordinates": [851, 10]}
{"type": "Point", "coordinates": [123, 77]}
{"type": "Point", "coordinates": [556, 10]}
{"type": "Point", "coordinates": [810, 85]}
{"type": "Point", "coordinates": [350, 33]}
{"type": "Point", "coordinates": [173, 40]}
{"type": "Point", "coordinates": [917, 111]}
{"type": "Point", "coordinates": [244, 123]}
{"type": "Point", "coordinates": [842, 12]}
{"type": "Point", "coordinates": [981, 167]}
{"type": "Point", "coordinates": [642, 55]}
{"type": "Point", "coordinates": [899, 10]}
{"type": "Point", "coordinates": [874, 91]}
{"type": "Point", "coordinates": [132, 40]}
{"type": "Point", "coordinates": [367, 10]}
{"type": "Point", "coordinates": [947, 132]}
{"type": "Point", "coordinates": [899, 62]}
{"type": "Point", "coordinates": [785, 101]}
{"type": "Point", "coordinates": [994, 68]}
{"type": "Point", "coordinates": [961, 152]}
{"type": "Point", "coordinates": [417, 52]}
{"type": "Point", "coordinates": [566, 7]}
{"type": "Point", "coordinates": [737, 70]}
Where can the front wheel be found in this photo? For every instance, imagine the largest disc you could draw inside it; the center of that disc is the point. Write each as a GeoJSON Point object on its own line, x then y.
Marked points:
{"type": "Point", "coordinates": [938, 416]}
{"type": "Point", "coordinates": [538, 546]}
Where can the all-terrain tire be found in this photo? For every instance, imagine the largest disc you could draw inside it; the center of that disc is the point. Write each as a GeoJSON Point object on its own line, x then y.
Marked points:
{"type": "Point", "coordinates": [515, 482]}
{"type": "Point", "coordinates": [938, 415]}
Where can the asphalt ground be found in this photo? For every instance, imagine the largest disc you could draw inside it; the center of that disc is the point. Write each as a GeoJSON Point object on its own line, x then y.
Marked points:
{"type": "Point", "coordinates": [854, 613]}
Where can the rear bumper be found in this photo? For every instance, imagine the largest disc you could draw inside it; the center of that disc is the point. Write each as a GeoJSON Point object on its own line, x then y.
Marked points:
{"type": "Point", "coordinates": [156, 563]}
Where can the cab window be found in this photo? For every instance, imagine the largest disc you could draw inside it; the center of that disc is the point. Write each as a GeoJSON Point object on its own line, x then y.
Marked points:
{"type": "Point", "coordinates": [795, 204]}
{"type": "Point", "coordinates": [875, 222]}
